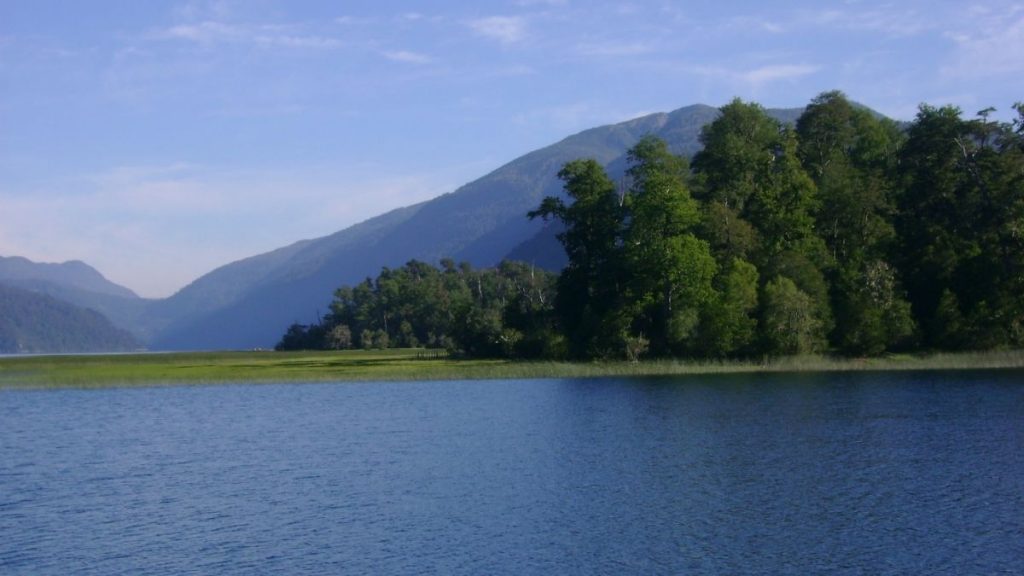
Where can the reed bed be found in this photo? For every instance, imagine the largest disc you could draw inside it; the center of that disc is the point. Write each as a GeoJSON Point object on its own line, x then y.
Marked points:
{"type": "Point", "coordinates": [191, 368]}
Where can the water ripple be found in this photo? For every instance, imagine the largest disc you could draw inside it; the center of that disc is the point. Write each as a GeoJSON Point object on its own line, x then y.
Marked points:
{"type": "Point", "coordinates": [841, 474]}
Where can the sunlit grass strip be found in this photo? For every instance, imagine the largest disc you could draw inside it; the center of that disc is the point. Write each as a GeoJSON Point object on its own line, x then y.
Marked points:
{"type": "Point", "coordinates": [223, 367]}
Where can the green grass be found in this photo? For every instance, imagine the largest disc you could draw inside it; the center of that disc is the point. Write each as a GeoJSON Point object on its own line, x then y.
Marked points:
{"type": "Point", "coordinates": [214, 367]}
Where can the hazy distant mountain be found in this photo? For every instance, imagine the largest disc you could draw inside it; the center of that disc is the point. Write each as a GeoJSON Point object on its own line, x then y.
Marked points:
{"type": "Point", "coordinates": [31, 322]}
{"type": "Point", "coordinates": [75, 274]}
{"type": "Point", "coordinates": [79, 284]}
{"type": "Point", "coordinates": [250, 303]}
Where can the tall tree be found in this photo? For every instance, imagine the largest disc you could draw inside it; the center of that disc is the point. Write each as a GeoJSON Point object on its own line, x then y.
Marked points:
{"type": "Point", "coordinates": [670, 269]}
{"type": "Point", "coordinates": [851, 156]}
{"type": "Point", "coordinates": [589, 301]}
{"type": "Point", "coordinates": [750, 173]}
{"type": "Point", "coordinates": [960, 227]}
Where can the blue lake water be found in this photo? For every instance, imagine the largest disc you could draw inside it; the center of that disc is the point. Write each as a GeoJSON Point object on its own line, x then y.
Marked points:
{"type": "Point", "coordinates": [917, 473]}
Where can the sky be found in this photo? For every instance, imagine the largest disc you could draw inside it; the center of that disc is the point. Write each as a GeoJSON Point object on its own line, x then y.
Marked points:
{"type": "Point", "coordinates": [158, 140]}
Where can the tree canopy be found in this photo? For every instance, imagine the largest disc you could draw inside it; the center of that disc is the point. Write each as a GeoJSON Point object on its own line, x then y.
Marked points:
{"type": "Point", "coordinates": [844, 232]}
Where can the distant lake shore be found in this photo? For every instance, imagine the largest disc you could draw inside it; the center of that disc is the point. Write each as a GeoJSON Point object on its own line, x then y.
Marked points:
{"type": "Point", "coordinates": [191, 368]}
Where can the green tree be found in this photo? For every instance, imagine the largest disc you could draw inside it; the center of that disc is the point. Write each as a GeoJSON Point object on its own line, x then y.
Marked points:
{"type": "Point", "coordinates": [960, 219]}
{"type": "Point", "coordinates": [789, 323]}
{"type": "Point", "coordinates": [739, 152]}
{"type": "Point", "coordinates": [852, 157]}
{"type": "Point", "coordinates": [589, 298]}
{"type": "Point", "coordinates": [670, 269]}
{"type": "Point", "coordinates": [761, 202]}
{"type": "Point", "coordinates": [729, 319]}
{"type": "Point", "coordinates": [339, 337]}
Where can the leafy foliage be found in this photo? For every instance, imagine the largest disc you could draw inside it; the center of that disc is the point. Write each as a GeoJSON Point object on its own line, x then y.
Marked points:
{"type": "Point", "coordinates": [500, 312]}
{"type": "Point", "coordinates": [843, 232]}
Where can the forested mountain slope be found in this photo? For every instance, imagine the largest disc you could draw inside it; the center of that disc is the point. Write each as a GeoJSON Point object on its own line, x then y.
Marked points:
{"type": "Point", "coordinates": [37, 323]}
{"type": "Point", "coordinates": [248, 304]}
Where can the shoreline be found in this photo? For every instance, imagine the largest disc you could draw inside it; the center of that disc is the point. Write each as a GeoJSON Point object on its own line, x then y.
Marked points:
{"type": "Point", "coordinates": [196, 368]}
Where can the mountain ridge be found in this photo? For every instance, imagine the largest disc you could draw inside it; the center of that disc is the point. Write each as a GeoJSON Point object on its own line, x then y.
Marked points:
{"type": "Point", "coordinates": [73, 274]}
{"type": "Point", "coordinates": [249, 303]}
{"type": "Point", "coordinates": [481, 222]}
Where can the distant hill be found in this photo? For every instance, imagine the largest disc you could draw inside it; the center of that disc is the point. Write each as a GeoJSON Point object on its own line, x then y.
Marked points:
{"type": "Point", "coordinates": [78, 283]}
{"type": "Point", "coordinates": [73, 274]}
{"type": "Point", "coordinates": [250, 303]}
{"type": "Point", "coordinates": [37, 323]}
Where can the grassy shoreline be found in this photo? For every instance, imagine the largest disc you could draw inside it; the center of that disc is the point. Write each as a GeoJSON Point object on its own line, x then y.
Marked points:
{"type": "Point", "coordinates": [189, 368]}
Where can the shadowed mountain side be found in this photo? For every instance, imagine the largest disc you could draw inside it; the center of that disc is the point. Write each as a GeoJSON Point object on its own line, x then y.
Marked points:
{"type": "Point", "coordinates": [31, 322]}
{"type": "Point", "coordinates": [125, 313]}
{"type": "Point", "coordinates": [478, 223]}
{"type": "Point", "coordinates": [79, 284]}
{"type": "Point", "coordinates": [249, 304]}
{"type": "Point", "coordinates": [306, 271]}
{"type": "Point", "coordinates": [543, 249]}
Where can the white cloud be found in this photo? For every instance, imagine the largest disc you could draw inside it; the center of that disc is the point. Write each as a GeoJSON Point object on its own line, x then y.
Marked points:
{"type": "Point", "coordinates": [776, 72]}
{"type": "Point", "coordinates": [504, 29]}
{"type": "Point", "coordinates": [408, 57]}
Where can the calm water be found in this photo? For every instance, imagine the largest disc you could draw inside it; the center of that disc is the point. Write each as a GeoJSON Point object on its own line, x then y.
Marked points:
{"type": "Point", "coordinates": [827, 474]}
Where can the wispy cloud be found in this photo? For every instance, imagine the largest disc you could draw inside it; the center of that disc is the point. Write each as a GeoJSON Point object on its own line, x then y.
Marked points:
{"type": "Point", "coordinates": [504, 29]}
{"type": "Point", "coordinates": [213, 32]}
{"type": "Point", "coordinates": [749, 24]}
{"type": "Point", "coordinates": [203, 9]}
{"type": "Point", "coordinates": [202, 32]}
{"type": "Point", "coordinates": [528, 3]}
{"type": "Point", "coordinates": [755, 77]}
{"type": "Point", "coordinates": [613, 49]}
{"type": "Point", "coordinates": [992, 46]}
{"type": "Point", "coordinates": [575, 116]}
{"type": "Point", "coordinates": [886, 19]}
{"type": "Point", "coordinates": [408, 57]}
{"type": "Point", "coordinates": [776, 72]}
{"type": "Point", "coordinates": [155, 228]}
{"type": "Point", "coordinates": [352, 20]}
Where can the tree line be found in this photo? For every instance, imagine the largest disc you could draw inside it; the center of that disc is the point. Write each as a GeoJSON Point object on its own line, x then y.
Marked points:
{"type": "Point", "coordinates": [846, 232]}
{"type": "Point", "coordinates": [497, 312]}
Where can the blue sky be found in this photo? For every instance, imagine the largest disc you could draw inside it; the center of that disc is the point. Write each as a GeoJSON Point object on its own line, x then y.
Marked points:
{"type": "Point", "coordinates": [158, 140]}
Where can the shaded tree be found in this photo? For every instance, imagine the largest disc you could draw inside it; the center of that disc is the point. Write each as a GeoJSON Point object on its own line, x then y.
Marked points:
{"type": "Point", "coordinates": [589, 303]}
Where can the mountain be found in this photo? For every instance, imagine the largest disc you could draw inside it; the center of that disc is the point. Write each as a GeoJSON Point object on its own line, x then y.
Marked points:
{"type": "Point", "coordinates": [250, 303]}
{"type": "Point", "coordinates": [31, 322]}
{"type": "Point", "coordinates": [81, 285]}
{"type": "Point", "coordinates": [73, 275]}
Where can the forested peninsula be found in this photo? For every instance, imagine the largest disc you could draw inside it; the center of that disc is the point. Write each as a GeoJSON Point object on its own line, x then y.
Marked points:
{"type": "Point", "coordinates": [846, 233]}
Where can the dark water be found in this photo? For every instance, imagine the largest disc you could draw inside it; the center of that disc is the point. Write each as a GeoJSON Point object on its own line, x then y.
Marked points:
{"type": "Point", "coordinates": [821, 474]}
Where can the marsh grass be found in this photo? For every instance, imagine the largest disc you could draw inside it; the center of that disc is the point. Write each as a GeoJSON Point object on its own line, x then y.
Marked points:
{"type": "Point", "coordinates": [91, 371]}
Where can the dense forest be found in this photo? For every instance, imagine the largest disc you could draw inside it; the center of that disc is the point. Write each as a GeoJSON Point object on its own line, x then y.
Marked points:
{"type": "Point", "coordinates": [31, 322]}
{"type": "Point", "coordinates": [846, 232]}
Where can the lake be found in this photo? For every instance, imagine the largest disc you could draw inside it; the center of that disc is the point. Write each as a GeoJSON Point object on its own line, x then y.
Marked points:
{"type": "Point", "coordinates": [861, 473]}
